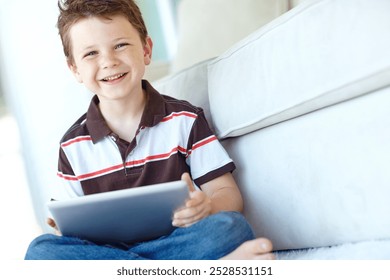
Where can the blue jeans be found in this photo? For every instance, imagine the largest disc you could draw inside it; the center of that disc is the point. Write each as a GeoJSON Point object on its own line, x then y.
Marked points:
{"type": "Point", "coordinates": [209, 239]}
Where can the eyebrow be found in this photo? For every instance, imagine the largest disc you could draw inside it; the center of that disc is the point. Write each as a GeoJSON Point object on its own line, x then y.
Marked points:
{"type": "Point", "coordinates": [88, 48]}
{"type": "Point", "coordinates": [122, 38]}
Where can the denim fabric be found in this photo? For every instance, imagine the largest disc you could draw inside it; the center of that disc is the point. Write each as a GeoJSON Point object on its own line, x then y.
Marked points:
{"type": "Point", "coordinates": [210, 238]}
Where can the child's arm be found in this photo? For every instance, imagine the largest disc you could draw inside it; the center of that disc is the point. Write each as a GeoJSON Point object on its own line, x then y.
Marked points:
{"type": "Point", "coordinates": [220, 194]}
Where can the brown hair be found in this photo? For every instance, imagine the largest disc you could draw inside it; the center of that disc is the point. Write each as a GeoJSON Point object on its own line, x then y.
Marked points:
{"type": "Point", "coordinates": [72, 11]}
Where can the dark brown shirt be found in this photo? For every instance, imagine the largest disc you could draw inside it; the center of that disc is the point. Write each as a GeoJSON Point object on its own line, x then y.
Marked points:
{"type": "Point", "coordinates": [173, 137]}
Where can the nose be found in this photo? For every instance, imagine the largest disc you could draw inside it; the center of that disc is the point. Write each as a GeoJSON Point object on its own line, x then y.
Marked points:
{"type": "Point", "coordinates": [108, 60]}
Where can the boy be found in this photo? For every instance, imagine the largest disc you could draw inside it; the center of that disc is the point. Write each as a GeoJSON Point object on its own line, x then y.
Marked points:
{"type": "Point", "coordinates": [133, 136]}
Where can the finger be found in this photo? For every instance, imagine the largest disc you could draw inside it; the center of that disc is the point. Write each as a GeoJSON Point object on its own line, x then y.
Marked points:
{"type": "Point", "coordinates": [191, 215]}
{"type": "Point", "coordinates": [187, 178]}
{"type": "Point", "coordinates": [188, 221]}
{"type": "Point", "coordinates": [185, 213]}
{"type": "Point", "coordinates": [193, 206]}
{"type": "Point", "coordinates": [196, 199]}
{"type": "Point", "coordinates": [51, 223]}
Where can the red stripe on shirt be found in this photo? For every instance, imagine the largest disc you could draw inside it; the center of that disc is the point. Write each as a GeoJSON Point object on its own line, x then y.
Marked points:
{"type": "Point", "coordinates": [173, 115]}
{"type": "Point", "coordinates": [76, 140]}
{"type": "Point", "coordinates": [202, 143]}
{"type": "Point", "coordinates": [156, 157]}
{"type": "Point", "coordinates": [67, 177]}
{"type": "Point", "coordinates": [167, 118]}
{"type": "Point", "coordinates": [100, 172]}
{"type": "Point", "coordinates": [120, 166]}
{"type": "Point", "coordinates": [90, 175]}
{"type": "Point", "coordinates": [134, 162]}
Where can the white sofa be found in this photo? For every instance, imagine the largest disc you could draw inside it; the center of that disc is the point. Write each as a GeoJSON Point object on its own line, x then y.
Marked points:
{"type": "Point", "coordinates": [303, 107]}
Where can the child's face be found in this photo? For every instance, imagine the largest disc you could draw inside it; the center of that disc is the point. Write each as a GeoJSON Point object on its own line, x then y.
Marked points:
{"type": "Point", "coordinates": [109, 56]}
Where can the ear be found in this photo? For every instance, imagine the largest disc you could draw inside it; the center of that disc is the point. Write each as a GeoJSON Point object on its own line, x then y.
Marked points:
{"type": "Point", "coordinates": [148, 50]}
{"type": "Point", "coordinates": [73, 68]}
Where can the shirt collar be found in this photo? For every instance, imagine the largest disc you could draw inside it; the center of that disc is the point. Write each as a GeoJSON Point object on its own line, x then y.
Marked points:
{"type": "Point", "coordinates": [153, 113]}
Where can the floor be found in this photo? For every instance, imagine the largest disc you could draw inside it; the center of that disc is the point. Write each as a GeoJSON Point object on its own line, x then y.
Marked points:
{"type": "Point", "coordinates": [19, 225]}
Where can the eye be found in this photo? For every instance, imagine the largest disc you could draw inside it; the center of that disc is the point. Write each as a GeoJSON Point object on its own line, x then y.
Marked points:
{"type": "Point", "coordinates": [91, 53]}
{"type": "Point", "coordinates": [121, 45]}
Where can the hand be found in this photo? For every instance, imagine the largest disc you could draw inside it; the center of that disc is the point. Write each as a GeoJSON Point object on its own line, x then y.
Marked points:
{"type": "Point", "coordinates": [53, 224]}
{"type": "Point", "coordinates": [195, 209]}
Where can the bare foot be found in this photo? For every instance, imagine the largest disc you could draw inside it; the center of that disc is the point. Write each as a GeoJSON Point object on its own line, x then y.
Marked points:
{"type": "Point", "coordinates": [256, 249]}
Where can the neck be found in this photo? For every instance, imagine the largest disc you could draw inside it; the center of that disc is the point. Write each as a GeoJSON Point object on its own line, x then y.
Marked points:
{"type": "Point", "coordinates": [118, 109]}
{"type": "Point", "coordinates": [124, 115]}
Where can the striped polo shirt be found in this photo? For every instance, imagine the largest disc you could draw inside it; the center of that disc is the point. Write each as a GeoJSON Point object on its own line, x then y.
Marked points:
{"type": "Point", "coordinates": [173, 137]}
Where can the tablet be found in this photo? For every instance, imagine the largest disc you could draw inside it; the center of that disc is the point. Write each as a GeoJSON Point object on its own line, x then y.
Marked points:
{"type": "Point", "coordinates": [130, 215]}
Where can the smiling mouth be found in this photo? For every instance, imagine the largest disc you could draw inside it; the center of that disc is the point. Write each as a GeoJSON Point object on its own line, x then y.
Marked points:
{"type": "Point", "coordinates": [113, 78]}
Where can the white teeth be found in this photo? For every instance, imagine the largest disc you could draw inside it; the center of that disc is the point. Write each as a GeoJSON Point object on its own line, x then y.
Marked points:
{"type": "Point", "coordinates": [113, 77]}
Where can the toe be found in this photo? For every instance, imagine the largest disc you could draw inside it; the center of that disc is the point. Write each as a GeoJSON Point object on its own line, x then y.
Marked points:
{"type": "Point", "coordinates": [265, 245]}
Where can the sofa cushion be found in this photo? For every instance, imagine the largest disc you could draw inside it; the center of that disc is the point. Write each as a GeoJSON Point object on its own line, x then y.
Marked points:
{"type": "Point", "coordinates": [189, 84]}
{"type": "Point", "coordinates": [318, 54]}
{"type": "Point", "coordinates": [320, 179]}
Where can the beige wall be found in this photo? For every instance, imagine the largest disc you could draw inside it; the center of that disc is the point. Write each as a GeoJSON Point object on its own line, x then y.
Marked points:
{"type": "Point", "coordinates": [294, 3]}
{"type": "Point", "coordinates": [209, 27]}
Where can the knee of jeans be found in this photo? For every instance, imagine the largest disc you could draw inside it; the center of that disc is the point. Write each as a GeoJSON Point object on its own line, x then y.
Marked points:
{"type": "Point", "coordinates": [39, 244]}
{"type": "Point", "coordinates": [233, 224]}
{"type": "Point", "coordinates": [43, 240]}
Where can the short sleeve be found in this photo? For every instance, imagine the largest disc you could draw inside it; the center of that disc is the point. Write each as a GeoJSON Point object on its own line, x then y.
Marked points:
{"type": "Point", "coordinates": [207, 157]}
{"type": "Point", "coordinates": [67, 178]}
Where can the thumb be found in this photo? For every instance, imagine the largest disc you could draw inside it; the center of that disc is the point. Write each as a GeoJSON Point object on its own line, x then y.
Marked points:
{"type": "Point", "coordinates": [187, 178]}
